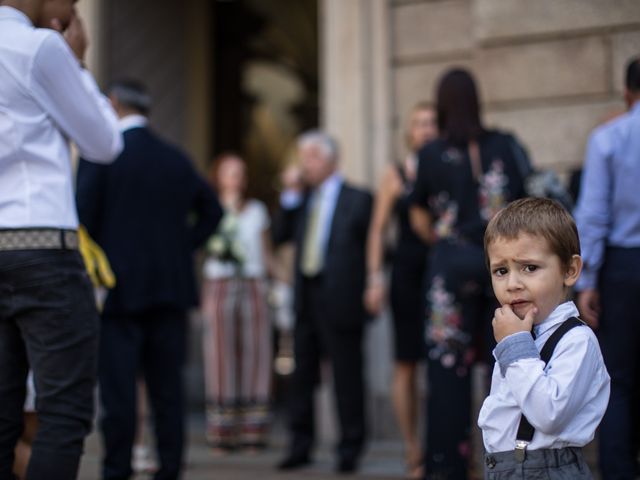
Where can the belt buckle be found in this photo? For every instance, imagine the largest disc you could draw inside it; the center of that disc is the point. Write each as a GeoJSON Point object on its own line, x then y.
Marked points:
{"type": "Point", "coordinates": [520, 451]}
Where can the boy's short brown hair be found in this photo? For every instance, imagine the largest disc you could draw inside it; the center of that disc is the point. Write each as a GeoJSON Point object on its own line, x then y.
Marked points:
{"type": "Point", "coordinates": [536, 216]}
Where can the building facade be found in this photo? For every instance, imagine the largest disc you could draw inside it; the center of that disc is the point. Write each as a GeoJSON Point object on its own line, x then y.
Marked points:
{"type": "Point", "coordinates": [548, 70]}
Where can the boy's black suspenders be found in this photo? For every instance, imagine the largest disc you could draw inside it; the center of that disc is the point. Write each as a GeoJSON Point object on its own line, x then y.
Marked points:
{"type": "Point", "coordinates": [525, 429]}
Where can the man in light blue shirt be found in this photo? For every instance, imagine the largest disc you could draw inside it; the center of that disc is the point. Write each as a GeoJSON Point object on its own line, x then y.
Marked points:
{"type": "Point", "coordinates": [608, 220]}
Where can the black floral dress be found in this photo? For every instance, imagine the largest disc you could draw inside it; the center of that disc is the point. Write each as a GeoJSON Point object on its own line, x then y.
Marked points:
{"type": "Point", "coordinates": [459, 301]}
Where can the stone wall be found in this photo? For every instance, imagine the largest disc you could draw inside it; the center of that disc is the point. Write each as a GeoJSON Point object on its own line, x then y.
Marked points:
{"type": "Point", "coordinates": [549, 70]}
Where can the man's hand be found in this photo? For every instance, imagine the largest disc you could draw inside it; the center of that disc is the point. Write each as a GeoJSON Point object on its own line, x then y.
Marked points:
{"type": "Point", "coordinates": [506, 322]}
{"type": "Point", "coordinates": [76, 37]}
{"type": "Point", "coordinates": [589, 306]}
{"type": "Point", "coordinates": [291, 178]}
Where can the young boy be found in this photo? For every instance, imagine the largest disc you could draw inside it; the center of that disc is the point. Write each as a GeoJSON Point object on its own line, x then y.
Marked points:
{"type": "Point", "coordinates": [533, 253]}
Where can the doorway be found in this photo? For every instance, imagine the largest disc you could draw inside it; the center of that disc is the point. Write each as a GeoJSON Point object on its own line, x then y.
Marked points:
{"type": "Point", "coordinates": [265, 64]}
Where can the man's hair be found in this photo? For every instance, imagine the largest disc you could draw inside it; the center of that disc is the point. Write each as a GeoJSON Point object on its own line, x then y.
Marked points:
{"type": "Point", "coordinates": [539, 217]}
{"type": "Point", "coordinates": [131, 93]}
{"type": "Point", "coordinates": [320, 139]}
{"type": "Point", "coordinates": [632, 81]}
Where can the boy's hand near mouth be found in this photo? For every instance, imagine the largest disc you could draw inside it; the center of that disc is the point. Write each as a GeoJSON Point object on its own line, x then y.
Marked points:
{"type": "Point", "coordinates": [506, 322]}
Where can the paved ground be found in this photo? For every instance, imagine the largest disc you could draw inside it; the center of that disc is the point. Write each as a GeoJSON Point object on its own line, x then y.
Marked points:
{"type": "Point", "coordinates": [383, 460]}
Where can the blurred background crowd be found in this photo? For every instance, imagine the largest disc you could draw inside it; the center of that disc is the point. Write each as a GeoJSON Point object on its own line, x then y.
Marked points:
{"type": "Point", "coordinates": [299, 142]}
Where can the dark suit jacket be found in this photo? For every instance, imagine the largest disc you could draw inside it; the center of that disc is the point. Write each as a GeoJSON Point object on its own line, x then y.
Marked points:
{"type": "Point", "coordinates": [344, 270]}
{"type": "Point", "coordinates": [148, 210]}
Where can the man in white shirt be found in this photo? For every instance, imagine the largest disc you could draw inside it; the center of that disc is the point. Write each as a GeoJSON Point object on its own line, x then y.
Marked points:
{"type": "Point", "coordinates": [48, 319]}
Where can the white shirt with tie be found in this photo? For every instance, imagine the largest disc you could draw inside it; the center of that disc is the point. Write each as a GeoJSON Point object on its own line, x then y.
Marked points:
{"type": "Point", "coordinates": [46, 99]}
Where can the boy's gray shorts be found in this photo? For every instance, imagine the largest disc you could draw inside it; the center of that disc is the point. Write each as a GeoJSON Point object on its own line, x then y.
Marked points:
{"type": "Point", "coordinates": [548, 464]}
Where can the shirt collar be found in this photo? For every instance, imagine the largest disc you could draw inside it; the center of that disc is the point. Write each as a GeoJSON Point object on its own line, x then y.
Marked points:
{"type": "Point", "coordinates": [330, 184]}
{"type": "Point", "coordinates": [560, 314]}
{"type": "Point", "coordinates": [10, 13]}
{"type": "Point", "coordinates": [635, 108]}
{"type": "Point", "coordinates": [132, 121]}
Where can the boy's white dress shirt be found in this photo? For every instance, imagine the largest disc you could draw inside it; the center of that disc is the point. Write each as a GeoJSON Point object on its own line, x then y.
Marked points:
{"type": "Point", "coordinates": [46, 98]}
{"type": "Point", "coordinates": [563, 401]}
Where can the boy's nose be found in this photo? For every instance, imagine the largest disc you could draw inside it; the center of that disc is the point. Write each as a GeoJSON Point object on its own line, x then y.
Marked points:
{"type": "Point", "coordinates": [513, 282]}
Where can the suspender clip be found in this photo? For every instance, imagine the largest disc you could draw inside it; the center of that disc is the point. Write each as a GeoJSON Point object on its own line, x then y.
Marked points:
{"type": "Point", "coordinates": [520, 451]}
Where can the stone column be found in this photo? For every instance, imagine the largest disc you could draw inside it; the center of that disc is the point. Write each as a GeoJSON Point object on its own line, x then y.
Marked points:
{"type": "Point", "coordinates": [356, 108]}
{"type": "Point", "coordinates": [355, 83]}
{"type": "Point", "coordinates": [91, 13]}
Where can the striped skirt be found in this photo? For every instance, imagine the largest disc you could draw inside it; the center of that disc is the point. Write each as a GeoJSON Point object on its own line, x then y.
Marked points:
{"type": "Point", "coordinates": [237, 340]}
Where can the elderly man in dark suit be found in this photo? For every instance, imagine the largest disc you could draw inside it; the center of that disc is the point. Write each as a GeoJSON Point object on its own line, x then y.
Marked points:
{"type": "Point", "coordinates": [328, 220]}
{"type": "Point", "coordinates": [149, 210]}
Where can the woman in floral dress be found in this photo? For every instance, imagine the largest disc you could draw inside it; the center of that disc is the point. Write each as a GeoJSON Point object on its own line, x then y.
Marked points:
{"type": "Point", "coordinates": [463, 179]}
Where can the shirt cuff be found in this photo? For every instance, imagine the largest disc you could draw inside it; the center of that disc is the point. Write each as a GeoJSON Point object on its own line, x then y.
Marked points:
{"type": "Point", "coordinates": [588, 280]}
{"type": "Point", "coordinates": [513, 348]}
{"type": "Point", "coordinates": [290, 199]}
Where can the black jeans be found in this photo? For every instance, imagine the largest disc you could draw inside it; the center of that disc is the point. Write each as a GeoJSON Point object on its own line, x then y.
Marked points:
{"type": "Point", "coordinates": [151, 342]}
{"type": "Point", "coordinates": [48, 320]}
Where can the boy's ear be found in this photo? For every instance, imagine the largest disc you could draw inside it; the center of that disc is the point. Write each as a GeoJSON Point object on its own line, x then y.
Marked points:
{"type": "Point", "coordinates": [573, 271]}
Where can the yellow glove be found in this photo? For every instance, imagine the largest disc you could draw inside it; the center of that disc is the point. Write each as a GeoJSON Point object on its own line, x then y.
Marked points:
{"type": "Point", "coordinates": [95, 261]}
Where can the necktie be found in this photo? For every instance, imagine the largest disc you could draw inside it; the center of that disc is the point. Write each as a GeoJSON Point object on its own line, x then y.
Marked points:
{"type": "Point", "coordinates": [312, 260]}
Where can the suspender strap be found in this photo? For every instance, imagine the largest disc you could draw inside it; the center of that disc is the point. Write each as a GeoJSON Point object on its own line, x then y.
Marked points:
{"type": "Point", "coordinates": [525, 429]}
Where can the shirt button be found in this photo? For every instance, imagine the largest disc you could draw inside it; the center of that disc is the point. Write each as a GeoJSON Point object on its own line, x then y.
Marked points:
{"type": "Point", "coordinates": [490, 461]}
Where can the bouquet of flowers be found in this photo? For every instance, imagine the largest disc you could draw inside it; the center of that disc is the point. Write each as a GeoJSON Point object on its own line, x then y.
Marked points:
{"type": "Point", "coordinates": [224, 245]}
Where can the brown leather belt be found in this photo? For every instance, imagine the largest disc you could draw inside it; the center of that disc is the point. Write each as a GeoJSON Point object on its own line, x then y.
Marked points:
{"type": "Point", "coordinates": [38, 239]}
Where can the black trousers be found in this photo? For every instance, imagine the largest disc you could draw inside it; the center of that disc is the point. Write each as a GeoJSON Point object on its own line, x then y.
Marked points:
{"type": "Point", "coordinates": [48, 321]}
{"type": "Point", "coordinates": [619, 336]}
{"type": "Point", "coordinates": [152, 342]}
{"type": "Point", "coordinates": [315, 337]}
{"type": "Point", "coordinates": [460, 306]}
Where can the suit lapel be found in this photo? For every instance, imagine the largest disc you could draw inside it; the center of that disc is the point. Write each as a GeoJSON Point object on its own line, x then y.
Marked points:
{"type": "Point", "coordinates": [340, 214]}
{"type": "Point", "coordinates": [302, 223]}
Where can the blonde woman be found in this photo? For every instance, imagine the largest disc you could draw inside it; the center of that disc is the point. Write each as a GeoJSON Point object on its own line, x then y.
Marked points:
{"type": "Point", "coordinates": [408, 270]}
{"type": "Point", "coordinates": [237, 331]}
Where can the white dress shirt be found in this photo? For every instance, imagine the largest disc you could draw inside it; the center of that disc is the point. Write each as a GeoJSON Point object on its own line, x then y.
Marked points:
{"type": "Point", "coordinates": [132, 121]}
{"type": "Point", "coordinates": [46, 99]}
{"type": "Point", "coordinates": [563, 401]}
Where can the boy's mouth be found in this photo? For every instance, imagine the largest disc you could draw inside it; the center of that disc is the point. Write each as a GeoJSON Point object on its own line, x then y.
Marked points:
{"type": "Point", "coordinates": [519, 303]}
{"type": "Point", "coordinates": [519, 307]}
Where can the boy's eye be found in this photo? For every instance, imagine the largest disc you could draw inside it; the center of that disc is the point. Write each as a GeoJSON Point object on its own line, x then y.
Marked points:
{"type": "Point", "coordinates": [500, 271]}
{"type": "Point", "coordinates": [530, 268]}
